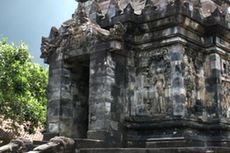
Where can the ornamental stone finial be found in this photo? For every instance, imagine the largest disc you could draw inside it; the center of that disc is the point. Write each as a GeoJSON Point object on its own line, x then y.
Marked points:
{"type": "Point", "coordinates": [80, 14]}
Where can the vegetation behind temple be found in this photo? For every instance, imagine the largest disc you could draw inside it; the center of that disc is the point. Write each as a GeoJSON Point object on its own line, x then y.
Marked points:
{"type": "Point", "coordinates": [22, 86]}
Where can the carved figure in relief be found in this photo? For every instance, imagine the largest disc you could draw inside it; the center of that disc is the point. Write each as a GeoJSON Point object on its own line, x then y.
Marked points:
{"type": "Point", "coordinates": [226, 69]}
{"type": "Point", "coordinates": [225, 93]}
{"type": "Point", "coordinates": [189, 81]}
{"type": "Point", "coordinates": [160, 94]}
{"type": "Point", "coordinates": [225, 102]}
{"type": "Point", "coordinates": [156, 76]}
{"type": "Point", "coordinates": [200, 85]}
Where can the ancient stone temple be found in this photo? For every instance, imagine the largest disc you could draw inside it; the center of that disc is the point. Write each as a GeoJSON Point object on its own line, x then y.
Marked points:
{"type": "Point", "coordinates": [150, 74]}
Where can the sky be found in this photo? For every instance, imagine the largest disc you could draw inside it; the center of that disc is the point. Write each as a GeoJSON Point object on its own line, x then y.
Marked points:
{"type": "Point", "coordinates": [28, 20]}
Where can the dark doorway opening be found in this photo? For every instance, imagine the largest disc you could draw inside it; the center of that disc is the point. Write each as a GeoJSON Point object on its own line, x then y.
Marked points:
{"type": "Point", "coordinates": [79, 67]}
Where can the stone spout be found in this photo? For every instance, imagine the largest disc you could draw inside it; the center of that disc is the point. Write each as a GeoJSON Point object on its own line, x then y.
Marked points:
{"type": "Point", "coordinates": [17, 146]}
{"type": "Point", "coordinates": [56, 145]}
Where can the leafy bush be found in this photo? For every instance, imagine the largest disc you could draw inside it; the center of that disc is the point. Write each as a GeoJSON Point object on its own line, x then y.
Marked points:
{"type": "Point", "coordinates": [22, 86]}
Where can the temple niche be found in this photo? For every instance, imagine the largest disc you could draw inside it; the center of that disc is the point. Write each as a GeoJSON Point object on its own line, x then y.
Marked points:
{"type": "Point", "coordinates": [141, 74]}
{"type": "Point", "coordinates": [153, 82]}
{"type": "Point", "coordinates": [225, 88]}
{"type": "Point", "coordinates": [194, 81]}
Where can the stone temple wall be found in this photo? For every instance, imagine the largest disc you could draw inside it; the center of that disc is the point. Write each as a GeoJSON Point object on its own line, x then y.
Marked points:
{"type": "Point", "coordinates": [135, 73]}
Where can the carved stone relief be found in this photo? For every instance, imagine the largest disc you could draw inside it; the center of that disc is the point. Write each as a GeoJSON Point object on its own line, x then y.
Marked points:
{"type": "Point", "coordinates": [194, 80]}
{"type": "Point", "coordinates": [225, 89]}
{"type": "Point", "coordinates": [225, 98]}
{"type": "Point", "coordinates": [189, 81]}
{"type": "Point", "coordinates": [225, 69]}
{"type": "Point", "coordinates": [155, 71]}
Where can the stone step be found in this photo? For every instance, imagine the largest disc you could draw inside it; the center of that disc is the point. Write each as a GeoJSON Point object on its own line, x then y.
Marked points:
{"type": "Point", "coordinates": [176, 144]}
{"type": "Point", "coordinates": [157, 150]}
{"type": "Point", "coordinates": [89, 143]}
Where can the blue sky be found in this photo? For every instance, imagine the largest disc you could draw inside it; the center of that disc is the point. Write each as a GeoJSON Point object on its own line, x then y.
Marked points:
{"type": "Point", "coordinates": [28, 20]}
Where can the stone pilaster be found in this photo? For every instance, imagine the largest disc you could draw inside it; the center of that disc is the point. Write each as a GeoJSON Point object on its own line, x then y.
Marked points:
{"type": "Point", "coordinates": [103, 93]}
{"type": "Point", "coordinates": [177, 81]}
{"type": "Point", "coordinates": [213, 84]}
{"type": "Point", "coordinates": [66, 116]}
{"type": "Point", "coordinates": [54, 92]}
{"type": "Point", "coordinates": [131, 78]}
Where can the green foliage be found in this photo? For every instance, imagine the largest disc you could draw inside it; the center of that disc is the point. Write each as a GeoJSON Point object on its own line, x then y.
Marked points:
{"type": "Point", "coordinates": [22, 85]}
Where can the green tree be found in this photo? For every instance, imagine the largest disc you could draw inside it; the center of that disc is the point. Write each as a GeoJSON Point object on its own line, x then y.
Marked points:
{"type": "Point", "coordinates": [22, 86]}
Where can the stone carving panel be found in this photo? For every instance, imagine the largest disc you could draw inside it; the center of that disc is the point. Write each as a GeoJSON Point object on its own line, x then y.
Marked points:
{"type": "Point", "coordinates": [225, 98]}
{"type": "Point", "coordinates": [154, 73]}
{"type": "Point", "coordinates": [196, 90]}
{"type": "Point", "coordinates": [189, 81]}
{"type": "Point", "coordinates": [194, 81]}
{"type": "Point", "coordinates": [225, 69]}
{"type": "Point", "coordinates": [225, 89]}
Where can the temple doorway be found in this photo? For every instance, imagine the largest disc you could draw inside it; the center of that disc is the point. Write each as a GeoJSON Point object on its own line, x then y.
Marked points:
{"type": "Point", "coordinates": [79, 68]}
